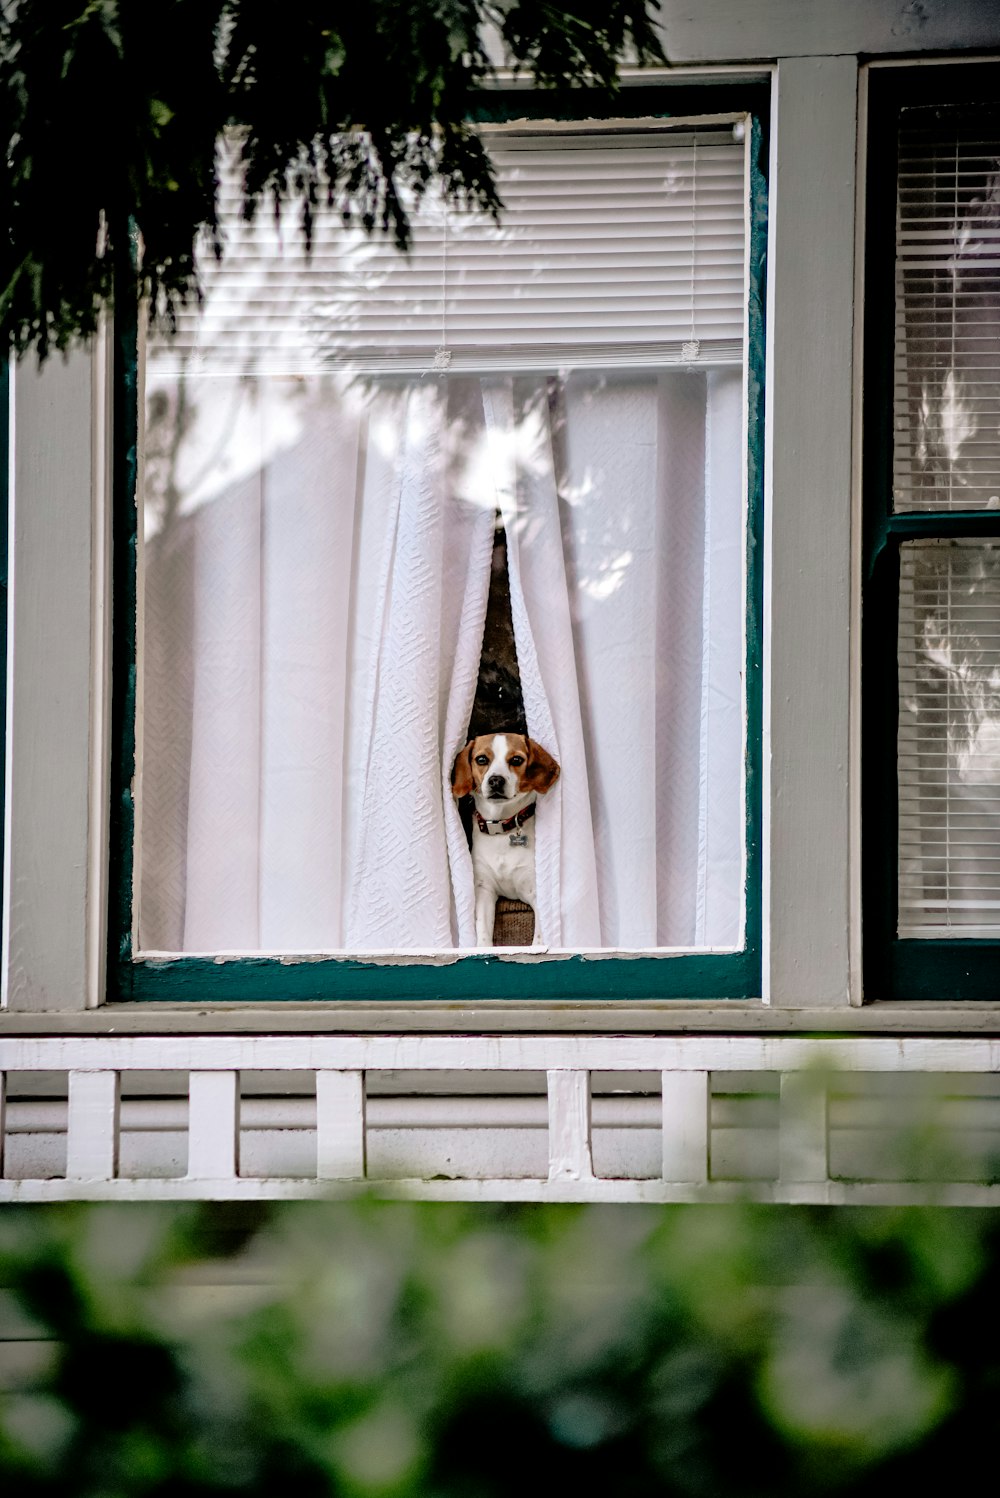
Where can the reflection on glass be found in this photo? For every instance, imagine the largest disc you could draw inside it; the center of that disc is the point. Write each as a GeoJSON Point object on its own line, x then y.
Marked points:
{"type": "Point", "coordinates": [949, 739]}
{"type": "Point", "coordinates": [328, 450]}
{"type": "Point", "coordinates": [947, 352]}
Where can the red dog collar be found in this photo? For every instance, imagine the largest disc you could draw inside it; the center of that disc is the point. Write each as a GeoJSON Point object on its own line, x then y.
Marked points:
{"type": "Point", "coordinates": [493, 829]}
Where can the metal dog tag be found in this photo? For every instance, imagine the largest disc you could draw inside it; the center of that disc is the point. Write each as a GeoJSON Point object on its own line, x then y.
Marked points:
{"type": "Point", "coordinates": [519, 839]}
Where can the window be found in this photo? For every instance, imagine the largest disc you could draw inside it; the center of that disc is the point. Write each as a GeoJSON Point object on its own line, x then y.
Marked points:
{"type": "Point", "coordinates": [932, 610]}
{"type": "Point", "coordinates": [330, 450]}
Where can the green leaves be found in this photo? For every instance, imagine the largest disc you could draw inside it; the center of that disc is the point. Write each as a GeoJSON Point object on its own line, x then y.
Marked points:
{"type": "Point", "coordinates": [433, 1351]}
{"type": "Point", "coordinates": [111, 113]}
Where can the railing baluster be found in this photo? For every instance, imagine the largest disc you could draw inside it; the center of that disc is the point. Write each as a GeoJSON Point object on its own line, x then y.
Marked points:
{"type": "Point", "coordinates": [92, 1126]}
{"type": "Point", "coordinates": [340, 1126]}
{"type": "Point", "coordinates": [570, 1157]}
{"type": "Point", "coordinates": [686, 1125]}
{"type": "Point", "coordinates": [86, 1133]}
{"type": "Point", "coordinates": [213, 1125]}
{"type": "Point", "coordinates": [803, 1132]}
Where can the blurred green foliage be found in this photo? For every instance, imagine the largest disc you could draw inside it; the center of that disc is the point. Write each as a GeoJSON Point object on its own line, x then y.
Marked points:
{"type": "Point", "coordinates": [400, 1349]}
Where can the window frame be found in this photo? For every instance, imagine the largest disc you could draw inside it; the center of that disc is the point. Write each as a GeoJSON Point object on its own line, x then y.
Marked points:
{"type": "Point", "coordinates": [964, 969]}
{"type": "Point", "coordinates": [481, 975]}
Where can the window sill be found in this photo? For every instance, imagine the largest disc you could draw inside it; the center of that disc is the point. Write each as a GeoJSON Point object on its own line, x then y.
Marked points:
{"type": "Point", "coordinates": [725, 1016]}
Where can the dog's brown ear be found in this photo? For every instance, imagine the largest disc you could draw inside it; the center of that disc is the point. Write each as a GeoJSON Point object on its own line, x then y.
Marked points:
{"type": "Point", "coordinates": [542, 771]}
{"type": "Point", "coordinates": [461, 773]}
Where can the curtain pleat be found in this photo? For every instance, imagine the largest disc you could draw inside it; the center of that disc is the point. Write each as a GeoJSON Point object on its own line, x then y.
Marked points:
{"type": "Point", "coordinates": [721, 819]}
{"type": "Point", "coordinates": [609, 527]}
{"type": "Point", "coordinates": [521, 458]}
{"type": "Point", "coordinates": [680, 642]}
{"type": "Point", "coordinates": [309, 500]}
{"type": "Point", "coordinates": [400, 884]}
{"type": "Point", "coordinates": [222, 908]}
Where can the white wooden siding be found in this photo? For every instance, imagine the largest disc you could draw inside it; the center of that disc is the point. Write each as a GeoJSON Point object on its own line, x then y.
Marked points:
{"type": "Point", "coordinates": [58, 620]}
{"type": "Point", "coordinates": [746, 30]}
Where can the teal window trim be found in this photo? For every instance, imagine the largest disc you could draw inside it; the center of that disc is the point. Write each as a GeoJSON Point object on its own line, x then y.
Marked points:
{"type": "Point", "coordinates": [895, 968]}
{"type": "Point", "coordinates": [478, 976]}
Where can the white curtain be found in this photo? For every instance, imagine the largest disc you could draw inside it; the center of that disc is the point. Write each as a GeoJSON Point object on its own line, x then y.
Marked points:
{"type": "Point", "coordinates": [316, 580]}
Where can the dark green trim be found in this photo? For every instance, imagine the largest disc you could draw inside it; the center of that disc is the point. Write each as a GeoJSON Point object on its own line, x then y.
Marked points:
{"type": "Point", "coordinates": [928, 526]}
{"type": "Point", "coordinates": [753, 890]}
{"type": "Point", "coordinates": [952, 970]}
{"type": "Point", "coordinates": [662, 100]}
{"type": "Point", "coordinates": [463, 980]}
{"type": "Point", "coordinates": [894, 968]}
{"type": "Point", "coordinates": [734, 975]}
{"type": "Point", "coordinates": [124, 670]}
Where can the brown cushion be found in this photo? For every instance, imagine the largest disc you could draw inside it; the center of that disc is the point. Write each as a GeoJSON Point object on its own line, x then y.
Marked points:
{"type": "Point", "coordinates": [514, 925]}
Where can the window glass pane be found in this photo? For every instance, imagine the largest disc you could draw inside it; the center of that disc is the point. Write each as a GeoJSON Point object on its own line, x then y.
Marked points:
{"type": "Point", "coordinates": [340, 452]}
{"type": "Point", "coordinates": [946, 453]}
{"type": "Point", "coordinates": [949, 739]}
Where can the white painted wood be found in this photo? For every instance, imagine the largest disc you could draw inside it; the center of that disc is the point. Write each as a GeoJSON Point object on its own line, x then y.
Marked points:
{"type": "Point", "coordinates": [804, 1131]}
{"type": "Point", "coordinates": [686, 1125]}
{"type": "Point", "coordinates": [29, 1113]}
{"type": "Point", "coordinates": [472, 1143]}
{"type": "Point", "coordinates": [49, 960]}
{"type": "Point", "coordinates": [3, 1121]}
{"type": "Point", "coordinates": [570, 1156]}
{"type": "Point", "coordinates": [470, 1140]}
{"type": "Point", "coordinates": [340, 1125]}
{"type": "Point", "coordinates": [855, 766]}
{"type": "Point", "coordinates": [445, 1114]}
{"type": "Point", "coordinates": [738, 30]}
{"type": "Point", "coordinates": [213, 1125]}
{"type": "Point", "coordinates": [461, 1154]}
{"type": "Point", "coordinates": [503, 1053]}
{"type": "Point", "coordinates": [729, 1016]}
{"type": "Point", "coordinates": [276, 1151]}
{"type": "Point", "coordinates": [512, 1189]}
{"type": "Point", "coordinates": [92, 1126]}
{"type": "Point", "coordinates": [98, 810]}
{"type": "Point", "coordinates": [140, 631]}
{"type": "Point", "coordinates": [808, 532]}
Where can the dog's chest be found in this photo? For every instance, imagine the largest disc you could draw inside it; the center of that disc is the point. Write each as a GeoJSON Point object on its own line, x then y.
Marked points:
{"type": "Point", "coordinates": [508, 859]}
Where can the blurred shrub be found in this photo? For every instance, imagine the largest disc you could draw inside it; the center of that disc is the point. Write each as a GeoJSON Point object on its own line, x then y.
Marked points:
{"type": "Point", "coordinates": [382, 1350]}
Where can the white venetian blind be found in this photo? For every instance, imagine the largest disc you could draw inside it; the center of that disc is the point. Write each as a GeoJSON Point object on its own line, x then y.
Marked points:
{"type": "Point", "coordinates": [947, 347]}
{"type": "Point", "coordinates": [618, 246]}
{"type": "Point", "coordinates": [949, 739]}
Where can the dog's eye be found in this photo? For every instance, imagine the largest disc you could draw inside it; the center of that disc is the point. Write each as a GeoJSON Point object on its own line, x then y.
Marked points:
{"type": "Point", "coordinates": [482, 759]}
{"type": "Point", "coordinates": [517, 759]}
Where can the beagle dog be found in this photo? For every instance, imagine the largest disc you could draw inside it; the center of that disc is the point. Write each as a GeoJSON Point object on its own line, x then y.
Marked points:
{"type": "Point", "coordinates": [503, 773]}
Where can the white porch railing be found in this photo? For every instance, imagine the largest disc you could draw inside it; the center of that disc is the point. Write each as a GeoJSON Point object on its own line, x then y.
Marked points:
{"type": "Point", "coordinates": [89, 1072]}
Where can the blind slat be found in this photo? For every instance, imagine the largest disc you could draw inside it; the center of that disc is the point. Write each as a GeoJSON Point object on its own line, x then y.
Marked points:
{"type": "Point", "coordinates": [607, 241]}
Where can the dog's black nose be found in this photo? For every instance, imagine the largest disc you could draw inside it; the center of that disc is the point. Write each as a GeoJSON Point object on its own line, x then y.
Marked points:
{"type": "Point", "coordinates": [496, 783]}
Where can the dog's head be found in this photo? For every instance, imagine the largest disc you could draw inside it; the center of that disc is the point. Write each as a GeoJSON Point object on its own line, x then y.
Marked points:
{"type": "Point", "coordinates": [501, 766]}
